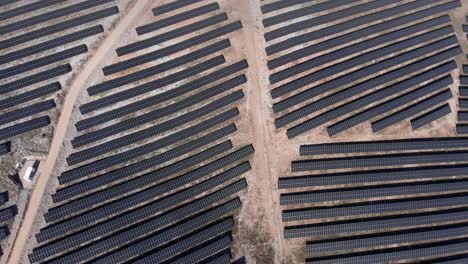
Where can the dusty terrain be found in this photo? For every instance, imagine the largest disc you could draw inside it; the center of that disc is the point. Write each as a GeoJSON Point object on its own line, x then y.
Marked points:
{"type": "Point", "coordinates": [259, 230]}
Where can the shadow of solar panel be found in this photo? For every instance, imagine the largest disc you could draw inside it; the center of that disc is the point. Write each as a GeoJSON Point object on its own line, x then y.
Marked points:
{"type": "Point", "coordinates": [363, 72]}
{"type": "Point", "coordinates": [66, 11]}
{"type": "Point", "coordinates": [407, 253]}
{"type": "Point", "coordinates": [424, 236]}
{"type": "Point", "coordinates": [369, 176]}
{"type": "Point", "coordinates": [348, 228]}
{"type": "Point", "coordinates": [26, 111]}
{"type": "Point", "coordinates": [24, 127]}
{"type": "Point", "coordinates": [364, 58]}
{"type": "Point", "coordinates": [373, 207]}
{"type": "Point", "coordinates": [179, 61]}
{"type": "Point", "coordinates": [140, 120]}
{"type": "Point", "coordinates": [388, 106]}
{"type": "Point", "coordinates": [146, 73]}
{"type": "Point", "coordinates": [131, 218]}
{"type": "Point", "coordinates": [172, 34]}
{"type": "Point", "coordinates": [35, 78]}
{"type": "Point", "coordinates": [186, 44]}
{"type": "Point", "coordinates": [41, 62]}
{"type": "Point", "coordinates": [412, 110]}
{"type": "Point", "coordinates": [350, 24]}
{"type": "Point", "coordinates": [57, 42]}
{"type": "Point", "coordinates": [26, 8]}
{"type": "Point", "coordinates": [316, 12]}
{"type": "Point", "coordinates": [30, 95]}
{"type": "Point", "coordinates": [166, 22]}
{"type": "Point", "coordinates": [378, 160]}
{"type": "Point", "coordinates": [359, 34]}
{"type": "Point", "coordinates": [384, 145]}
{"type": "Point", "coordinates": [32, 35]}
{"type": "Point", "coordinates": [430, 116]}
{"type": "Point", "coordinates": [372, 192]}
{"type": "Point", "coordinates": [173, 6]}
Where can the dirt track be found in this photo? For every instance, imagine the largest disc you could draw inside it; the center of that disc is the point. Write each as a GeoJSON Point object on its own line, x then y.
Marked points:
{"type": "Point", "coordinates": [45, 173]}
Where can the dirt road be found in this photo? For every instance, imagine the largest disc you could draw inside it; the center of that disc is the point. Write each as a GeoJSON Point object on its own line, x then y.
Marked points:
{"type": "Point", "coordinates": [44, 175]}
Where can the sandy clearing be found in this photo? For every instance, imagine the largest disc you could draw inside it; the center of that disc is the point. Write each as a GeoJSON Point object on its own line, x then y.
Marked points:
{"type": "Point", "coordinates": [44, 175]}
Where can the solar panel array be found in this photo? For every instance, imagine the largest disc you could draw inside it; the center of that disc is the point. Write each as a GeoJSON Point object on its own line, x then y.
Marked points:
{"type": "Point", "coordinates": [39, 39]}
{"type": "Point", "coordinates": [462, 114]}
{"type": "Point", "coordinates": [154, 176]}
{"type": "Point", "coordinates": [339, 64]}
{"type": "Point", "coordinates": [8, 212]}
{"type": "Point", "coordinates": [379, 201]}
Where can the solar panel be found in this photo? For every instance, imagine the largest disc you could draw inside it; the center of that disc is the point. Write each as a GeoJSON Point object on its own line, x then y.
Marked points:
{"type": "Point", "coordinates": [4, 197]}
{"type": "Point", "coordinates": [221, 258]}
{"type": "Point", "coordinates": [412, 110]}
{"type": "Point", "coordinates": [430, 116]}
{"type": "Point", "coordinates": [384, 145]}
{"type": "Point", "coordinates": [149, 102]}
{"type": "Point", "coordinates": [131, 218]}
{"type": "Point", "coordinates": [270, 7]}
{"type": "Point", "coordinates": [363, 72]}
{"type": "Point", "coordinates": [371, 192]}
{"type": "Point", "coordinates": [171, 34]}
{"type": "Point", "coordinates": [3, 233]}
{"type": "Point", "coordinates": [462, 116]}
{"type": "Point", "coordinates": [35, 78]}
{"type": "Point", "coordinates": [366, 57]}
{"type": "Point", "coordinates": [462, 129]}
{"type": "Point", "coordinates": [372, 207]}
{"type": "Point", "coordinates": [372, 176]}
{"type": "Point", "coordinates": [378, 160]}
{"type": "Point", "coordinates": [171, 20]}
{"type": "Point", "coordinates": [348, 228]}
{"type": "Point", "coordinates": [354, 23]}
{"type": "Point", "coordinates": [173, 6]}
{"type": "Point", "coordinates": [208, 249]}
{"type": "Point", "coordinates": [24, 127]}
{"type": "Point", "coordinates": [4, 149]}
{"type": "Point", "coordinates": [180, 46]}
{"type": "Point", "coordinates": [360, 34]}
{"type": "Point", "coordinates": [388, 106]}
{"type": "Point", "coordinates": [33, 35]}
{"type": "Point", "coordinates": [27, 8]}
{"type": "Point", "coordinates": [50, 44]}
{"type": "Point", "coordinates": [41, 62]}
{"type": "Point", "coordinates": [29, 95]}
{"type": "Point", "coordinates": [26, 111]}
{"type": "Point", "coordinates": [57, 13]}
{"type": "Point", "coordinates": [168, 65]}
{"type": "Point", "coordinates": [146, 73]}
{"type": "Point", "coordinates": [463, 91]}
{"type": "Point", "coordinates": [8, 213]}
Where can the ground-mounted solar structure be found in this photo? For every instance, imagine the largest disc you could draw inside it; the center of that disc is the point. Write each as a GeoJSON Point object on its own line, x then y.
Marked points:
{"type": "Point", "coordinates": [338, 64]}
{"type": "Point", "coordinates": [41, 44]}
{"type": "Point", "coordinates": [378, 201]}
{"type": "Point", "coordinates": [155, 171]}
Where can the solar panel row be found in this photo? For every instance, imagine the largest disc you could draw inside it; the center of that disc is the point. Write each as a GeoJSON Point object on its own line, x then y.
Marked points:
{"type": "Point", "coordinates": [270, 7]}
{"type": "Point", "coordinates": [166, 22]}
{"type": "Point", "coordinates": [367, 99]}
{"type": "Point", "coordinates": [430, 116]}
{"type": "Point", "coordinates": [72, 23]}
{"type": "Point", "coordinates": [180, 46]}
{"type": "Point", "coordinates": [30, 95]}
{"type": "Point", "coordinates": [43, 61]}
{"type": "Point", "coordinates": [24, 9]}
{"type": "Point", "coordinates": [66, 11]}
{"type": "Point", "coordinates": [172, 34]}
{"type": "Point", "coordinates": [26, 111]}
{"type": "Point", "coordinates": [24, 127]}
{"type": "Point", "coordinates": [4, 149]}
{"type": "Point", "coordinates": [8, 214]}
{"type": "Point", "coordinates": [173, 6]}
{"type": "Point", "coordinates": [50, 44]}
